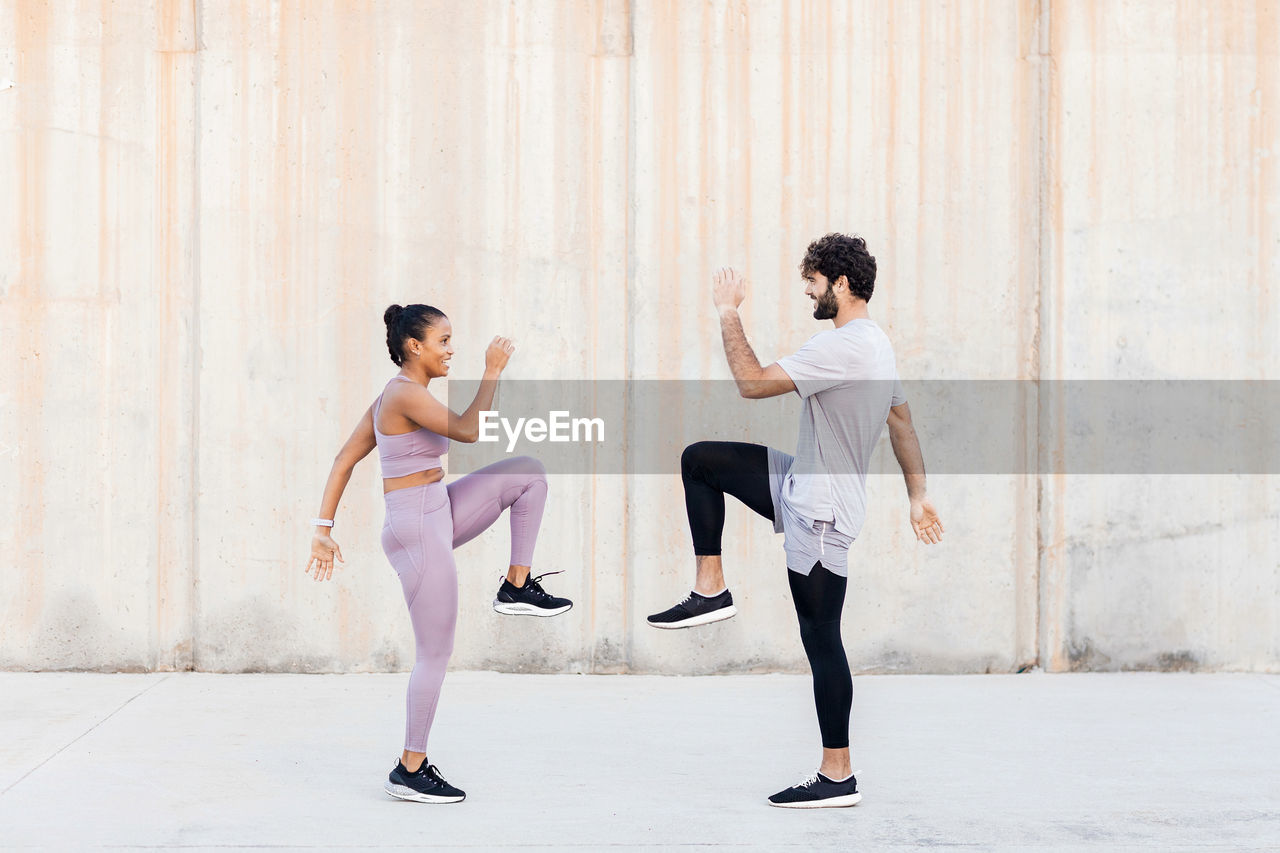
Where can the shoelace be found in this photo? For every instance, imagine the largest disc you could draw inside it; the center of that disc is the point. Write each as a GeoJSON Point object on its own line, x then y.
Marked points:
{"type": "Point", "coordinates": [691, 594]}
{"type": "Point", "coordinates": [811, 779]}
{"type": "Point", "coordinates": [533, 586]}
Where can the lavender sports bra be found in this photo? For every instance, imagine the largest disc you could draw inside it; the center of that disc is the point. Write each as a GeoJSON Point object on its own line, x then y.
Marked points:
{"type": "Point", "coordinates": [407, 452]}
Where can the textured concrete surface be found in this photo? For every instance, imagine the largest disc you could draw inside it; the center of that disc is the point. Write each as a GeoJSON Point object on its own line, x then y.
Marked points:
{"type": "Point", "coordinates": [1161, 253]}
{"type": "Point", "coordinates": [1051, 762]}
{"type": "Point", "coordinates": [204, 208]}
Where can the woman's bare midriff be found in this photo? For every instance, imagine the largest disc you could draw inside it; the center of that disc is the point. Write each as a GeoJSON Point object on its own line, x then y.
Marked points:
{"type": "Point", "coordinates": [417, 478]}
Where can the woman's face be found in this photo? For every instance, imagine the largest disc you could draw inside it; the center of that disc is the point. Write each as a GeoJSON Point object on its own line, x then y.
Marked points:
{"type": "Point", "coordinates": [437, 349]}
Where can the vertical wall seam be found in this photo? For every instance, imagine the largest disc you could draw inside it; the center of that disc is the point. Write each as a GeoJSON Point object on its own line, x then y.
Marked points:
{"type": "Point", "coordinates": [1044, 223]}
{"type": "Point", "coordinates": [628, 339]}
{"type": "Point", "coordinates": [196, 210]}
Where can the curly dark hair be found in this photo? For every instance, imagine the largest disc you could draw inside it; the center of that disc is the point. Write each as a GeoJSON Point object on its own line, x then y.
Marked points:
{"type": "Point", "coordinates": [845, 255]}
{"type": "Point", "coordinates": [407, 321]}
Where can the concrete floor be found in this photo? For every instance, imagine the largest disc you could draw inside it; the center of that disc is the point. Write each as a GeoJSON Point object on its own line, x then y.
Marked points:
{"type": "Point", "coordinates": [199, 761]}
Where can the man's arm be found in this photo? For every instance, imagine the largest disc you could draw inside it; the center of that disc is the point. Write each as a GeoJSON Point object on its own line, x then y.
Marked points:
{"type": "Point", "coordinates": [906, 448]}
{"type": "Point", "coordinates": [754, 381]}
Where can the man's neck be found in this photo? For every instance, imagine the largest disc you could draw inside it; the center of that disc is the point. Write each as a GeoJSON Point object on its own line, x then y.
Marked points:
{"type": "Point", "coordinates": [850, 311]}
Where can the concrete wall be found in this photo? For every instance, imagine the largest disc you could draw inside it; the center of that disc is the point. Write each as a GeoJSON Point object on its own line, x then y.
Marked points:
{"type": "Point", "coordinates": [1161, 258]}
{"type": "Point", "coordinates": [207, 206]}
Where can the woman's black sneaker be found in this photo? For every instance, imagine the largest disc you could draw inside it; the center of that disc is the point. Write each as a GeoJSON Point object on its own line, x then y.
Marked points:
{"type": "Point", "coordinates": [425, 785]}
{"type": "Point", "coordinates": [819, 792]}
{"type": "Point", "coordinates": [529, 600]}
{"type": "Point", "coordinates": [696, 609]}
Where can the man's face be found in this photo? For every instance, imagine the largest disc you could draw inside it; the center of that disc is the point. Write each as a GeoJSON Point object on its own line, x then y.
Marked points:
{"type": "Point", "coordinates": [818, 289]}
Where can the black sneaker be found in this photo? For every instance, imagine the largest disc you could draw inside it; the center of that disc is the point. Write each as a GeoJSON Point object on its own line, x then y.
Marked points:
{"type": "Point", "coordinates": [696, 609]}
{"type": "Point", "coordinates": [529, 600]}
{"type": "Point", "coordinates": [425, 785]}
{"type": "Point", "coordinates": [818, 792]}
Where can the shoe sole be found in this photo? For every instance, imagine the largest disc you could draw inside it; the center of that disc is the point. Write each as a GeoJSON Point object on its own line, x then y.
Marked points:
{"type": "Point", "coordinates": [528, 609]}
{"type": "Point", "coordinates": [829, 803]}
{"type": "Point", "coordinates": [401, 792]}
{"type": "Point", "coordinates": [705, 619]}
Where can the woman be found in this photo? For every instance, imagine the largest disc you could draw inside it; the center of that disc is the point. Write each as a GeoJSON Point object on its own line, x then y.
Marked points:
{"type": "Point", "coordinates": [426, 519]}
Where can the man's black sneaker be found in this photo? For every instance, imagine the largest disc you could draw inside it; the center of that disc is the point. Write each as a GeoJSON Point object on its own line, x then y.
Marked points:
{"type": "Point", "coordinates": [529, 600]}
{"type": "Point", "coordinates": [819, 792]}
{"type": "Point", "coordinates": [696, 609]}
{"type": "Point", "coordinates": [425, 785]}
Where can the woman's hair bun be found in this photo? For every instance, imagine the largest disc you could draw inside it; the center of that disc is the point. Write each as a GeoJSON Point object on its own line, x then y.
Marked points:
{"type": "Point", "coordinates": [408, 321]}
{"type": "Point", "coordinates": [392, 314]}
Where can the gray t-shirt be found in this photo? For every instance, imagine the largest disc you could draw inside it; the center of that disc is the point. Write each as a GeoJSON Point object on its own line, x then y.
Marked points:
{"type": "Point", "coordinates": [848, 379]}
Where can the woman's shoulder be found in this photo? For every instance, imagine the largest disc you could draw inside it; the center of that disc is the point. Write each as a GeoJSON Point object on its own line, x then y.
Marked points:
{"type": "Point", "coordinates": [402, 389]}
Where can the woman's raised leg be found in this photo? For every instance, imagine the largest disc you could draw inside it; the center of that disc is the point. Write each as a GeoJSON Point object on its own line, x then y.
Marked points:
{"type": "Point", "coordinates": [518, 484]}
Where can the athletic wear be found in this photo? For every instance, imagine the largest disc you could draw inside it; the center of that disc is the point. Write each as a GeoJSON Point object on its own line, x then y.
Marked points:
{"type": "Point", "coordinates": [818, 792]}
{"type": "Point", "coordinates": [819, 599]}
{"type": "Point", "coordinates": [407, 452]}
{"type": "Point", "coordinates": [712, 469]}
{"type": "Point", "coordinates": [423, 526]}
{"type": "Point", "coordinates": [847, 379]}
{"type": "Point", "coordinates": [425, 785]}
{"type": "Point", "coordinates": [696, 609]}
{"type": "Point", "coordinates": [753, 474]}
{"type": "Point", "coordinates": [805, 541]}
{"type": "Point", "coordinates": [529, 600]}
{"type": "Point", "coordinates": [748, 472]}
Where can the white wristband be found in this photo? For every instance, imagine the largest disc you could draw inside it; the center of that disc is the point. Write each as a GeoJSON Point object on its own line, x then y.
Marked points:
{"type": "Point", "coordinates": [322, 522]}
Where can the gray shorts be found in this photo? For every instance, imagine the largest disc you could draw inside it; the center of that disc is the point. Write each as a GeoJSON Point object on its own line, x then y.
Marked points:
{"type": "Point", "coordinates": [805, 541]}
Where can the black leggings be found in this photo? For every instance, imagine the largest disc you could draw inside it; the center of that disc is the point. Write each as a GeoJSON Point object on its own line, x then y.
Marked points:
{"type": "Point", "coordinates": [712, 469]}
{"type": "Point", "coordinates": [819, 598]}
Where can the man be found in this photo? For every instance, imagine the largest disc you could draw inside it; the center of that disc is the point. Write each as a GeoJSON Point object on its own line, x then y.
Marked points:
{"type": "Point", "coordinates": [848, 382]}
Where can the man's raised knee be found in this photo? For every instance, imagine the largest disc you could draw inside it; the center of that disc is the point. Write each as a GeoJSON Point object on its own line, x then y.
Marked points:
{"type": "Point", "coordinates": [692, 456]}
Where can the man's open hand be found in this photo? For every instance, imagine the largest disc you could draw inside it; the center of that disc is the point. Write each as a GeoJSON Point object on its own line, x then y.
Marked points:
{"type": "Point", "coordinates": [925, 522]}
{"type": "Point", "coordinates": [728, 288]}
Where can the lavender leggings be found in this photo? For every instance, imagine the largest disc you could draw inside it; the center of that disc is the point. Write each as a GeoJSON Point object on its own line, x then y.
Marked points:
{"type": "Point", "coordinates": [424, 524]}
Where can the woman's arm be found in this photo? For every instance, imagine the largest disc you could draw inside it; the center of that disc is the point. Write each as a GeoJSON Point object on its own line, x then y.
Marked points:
{"type": "Point", "coordinates": [357, 447]}
{"type": "Point", "coordinates": [426, 411]}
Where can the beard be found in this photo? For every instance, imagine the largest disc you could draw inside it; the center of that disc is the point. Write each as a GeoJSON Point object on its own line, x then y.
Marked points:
{"type": "Point", "coordinates": [825, 307]}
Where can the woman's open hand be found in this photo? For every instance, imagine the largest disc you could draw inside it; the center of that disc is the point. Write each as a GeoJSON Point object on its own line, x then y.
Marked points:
{"type": "Point", "coordinates": [323, 551]}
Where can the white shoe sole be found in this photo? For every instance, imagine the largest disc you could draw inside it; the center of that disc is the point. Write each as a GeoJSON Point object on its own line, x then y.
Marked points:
{"type": "Point", "coordinates": [400, 792]}
{"type": "Point", "coordinates": [829, 803]}
{"type": "Point", "coordinates": [705, 619]}
{"type": "Point", "coordinates": [528, 609]}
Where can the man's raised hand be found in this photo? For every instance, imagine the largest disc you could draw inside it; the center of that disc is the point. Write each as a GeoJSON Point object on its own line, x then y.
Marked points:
{"type": "Point", "coordinates": [728, 288]}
